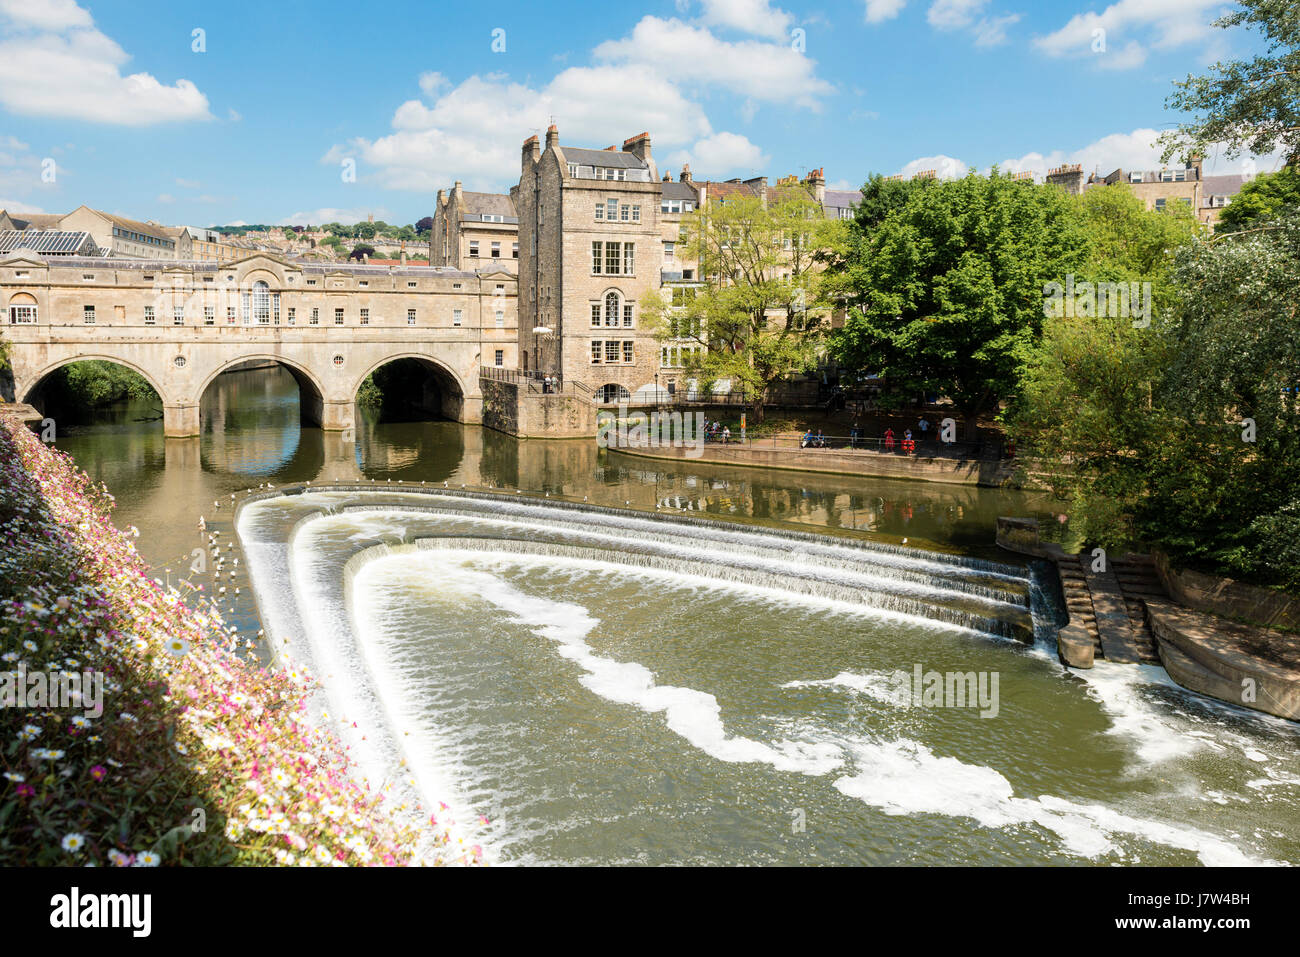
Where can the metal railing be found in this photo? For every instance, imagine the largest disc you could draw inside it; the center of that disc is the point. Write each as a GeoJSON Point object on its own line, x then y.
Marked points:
{"type": "Point", "coordinates": [876, 445]}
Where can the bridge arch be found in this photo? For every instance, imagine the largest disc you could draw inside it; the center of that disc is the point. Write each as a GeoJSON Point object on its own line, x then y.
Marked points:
{"type": "Point", "coordinates": [27, 389]}
{"type": "Point", "coordinates": [442, 391]}
{"type": "Point", "coordinates": [311, 393]}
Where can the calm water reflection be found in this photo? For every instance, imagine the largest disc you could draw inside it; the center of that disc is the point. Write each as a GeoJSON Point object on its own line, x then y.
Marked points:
{"type": "Point", "coordinates": [252, 434]}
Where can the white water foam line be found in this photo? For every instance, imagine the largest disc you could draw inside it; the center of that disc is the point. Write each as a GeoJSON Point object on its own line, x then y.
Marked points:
{"type": "Point", "coordinates": [300, 633]}
{"type": "Point", "coordinates": [761, 558]}
{"type": "Point", "coordinates": [900, 777]}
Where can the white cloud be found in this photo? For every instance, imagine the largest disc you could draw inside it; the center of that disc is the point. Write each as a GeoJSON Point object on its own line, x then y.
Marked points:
{"type": "Point", "coordinates": [1130, 151]}
{"type": "Point", "coordinates": [992, 32]}
{"type": "Point", "coordinates": [945, 167]}
{"type": "Point", "coordinates": [1125, 30]}
{"type": "Point", "coordinates": [764, 71]}
{"type": "Point", "coordinates": [53, 62]}
{"type": "Point", "coordinates": [17, 206]}
{"type": "Point", "coordinates": [720, 155]}
{"type": "Point", "coordinates": [473, 130]}
{"type": "Point", "coordinates": [20, 173]}
{"type": "Point", "coordinates": [752, 16]}
{"type": "Point", "coordinates": [877, 11]}
{"type": "Point", "coordinates": [331, 214]}
{"type": "Point", "coordinates": [952, 14]}
{"type": "Point", "coordinates": [967, 15]}
{"type": "Point", "coordinates": [54, 15]}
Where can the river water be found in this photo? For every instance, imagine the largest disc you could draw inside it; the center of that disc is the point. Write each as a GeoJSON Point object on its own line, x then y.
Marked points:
{"type": "Point", "coordinates": [711, 678]}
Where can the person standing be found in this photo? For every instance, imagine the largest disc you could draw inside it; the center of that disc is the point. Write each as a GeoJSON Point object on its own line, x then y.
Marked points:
{"type": "Point", "coordinates": [889, 440]}
{"type": "Point", "coordinates": [924, 426]}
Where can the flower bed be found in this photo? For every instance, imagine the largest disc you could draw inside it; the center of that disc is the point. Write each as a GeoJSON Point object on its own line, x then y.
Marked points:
{"type": "Point", "coordinates": [198, 757]}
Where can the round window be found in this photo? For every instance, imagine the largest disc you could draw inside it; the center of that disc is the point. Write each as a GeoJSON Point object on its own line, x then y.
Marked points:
{"type": "Point", "coordinates": [338, 360]}
{"type": "Point", "coordinates": [179, 362]}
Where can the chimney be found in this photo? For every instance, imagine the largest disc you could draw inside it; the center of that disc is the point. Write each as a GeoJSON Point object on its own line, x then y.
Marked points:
{"type": "Point", "coordinates": [1194, 162]}
{"type": "Point", "coordinates": [552, 137]}
{"type": "Point", "coordinates": [403, 254]}
{"type": "Point", "coordinates": [442, 197]}
{"type": "Point", "coordinates": [668, 177]}
{"type": "Point", "coordinates": [817, 180]}
{"type": "Point", "coordinates": [531, 151]}
{"type": "Point", "coordinates": [686, 173]}
{"type": "Point", "coordinates": [638, 146]}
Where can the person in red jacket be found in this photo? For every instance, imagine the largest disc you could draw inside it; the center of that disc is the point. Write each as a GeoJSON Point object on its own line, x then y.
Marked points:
{"type": "Point", "coordinates": [889, 440]}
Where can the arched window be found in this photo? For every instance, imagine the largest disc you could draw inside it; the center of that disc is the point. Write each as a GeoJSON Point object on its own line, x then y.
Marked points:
{"type": "Point", "coordinates": [611, 309]}
{"type": "Point", "coordinates": [262, 302]}
{"type": "Point", "coordinates": [613, 392]}
{"type": "Point", "coordinates": [22, 309]}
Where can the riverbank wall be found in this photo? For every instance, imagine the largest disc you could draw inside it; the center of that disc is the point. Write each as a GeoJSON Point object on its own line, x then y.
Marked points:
{"type": "Point", "coordinates": [989, 473]}
{"type": "Point", "coordinates": [188, 753]}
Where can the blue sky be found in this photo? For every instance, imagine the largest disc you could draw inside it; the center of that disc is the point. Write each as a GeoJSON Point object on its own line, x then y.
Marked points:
{"type": "Point", "coordinates": [260, 124]}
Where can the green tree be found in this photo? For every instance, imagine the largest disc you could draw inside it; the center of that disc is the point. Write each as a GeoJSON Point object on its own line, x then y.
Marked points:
{"type": "Point", "coordinates": [1249, 104]}
{"type": "Point", "coordinates": [1263, 199]}
{"type": "Point", "coordinates": [761, 315]}
{"type": "Point", "coordinates": [361, 250]}
{"type": "Point", "coordinates": [1084, 407]}
{"type": "Point", "coordinates": [947, 291]}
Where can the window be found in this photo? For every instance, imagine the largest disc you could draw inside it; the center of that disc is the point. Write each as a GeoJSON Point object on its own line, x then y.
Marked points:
{"type": "Point", "coordinates": [473, 248]}
{"type": "Point", "coordinates": [670, 252]}
{"type": "Point", "coordinates": [501, 289]}
{"type": "Point", "coordinates": [88, 277]}
{"type": "Point", "coordinates": [600, 212]}
{"type": "Point", "coordinates": [24, 315]}
{"type": "Point", "coordinates": [275, 308]}
{"type": "Point", "coordinates": [611, 351]}
{"type": "Point", "coordinates": [88, 315]}
{"type": "Point", "coordinates": [627, 351]}
{"type": "Point", "coordinates": [612, 258]}
{"type": "Point", "coordinates": [410, 317]}
{"type": "Point", "coordinates": [209, 316]}
{"type": "Point", "coordinates": [611, 309]}
{"type": "Point", "coordinates": [179, 362]}
{"type": "Point", "coordinates": [501, 319]}
{"type": "Point", "coordinates": [230, 315]}
{"type": "Point", "coordinates": [411, 285]}
{"type": "Point", "coordinates": [338, 362]}
{"type": "Point", "coordinates": [262, 302]}
{"type": "Point", "coordinates": [178, 315]}
{"type": "Point", "coordinates": [573, 169]}
{"type": "Point", "coordinates": [315, 318]}
{"type": "Point", "coordinates": [514, 251]}
{"type": "Point", "coordinates": [636, 214]}
{"type": "Point", "coordinates": [595, 314]}
{"type": "Point", "coordinates": [310, 282]}
{"type": "Point", "coordinates": [629, 266]}
{"type": "Point", "coordinates": [596, 258]}
{"type": "Point", "coordinates": [22, 274]}
{"type": "Point", "coordinates": [365, 317]}
{"type": "Point", "coordinates": [496, 250]}
{"type": "Point", "coordinates": [148, 316]}
{"type": "Point", "coordinates": [627, 315]}
{"type": "Point", "coordinates": [292, 315]}
{"type": "Point", "coordinates": [596, 352]}
{"type": "Point", "coordinates": [499, 358]}
{"type": "Point", "coordinates": [611, 210]}
{"type": "Point", "coordinates": [338, 317]}
{"type": "Point", "coordinates": [456, 316]}
{"type": "Point", "coordinates": [364, 284]}
{"type": "Point", "coordinates": [1160, 203]}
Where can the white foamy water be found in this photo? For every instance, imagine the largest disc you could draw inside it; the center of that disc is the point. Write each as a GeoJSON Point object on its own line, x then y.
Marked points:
{"type": "Point", "coordinates": [895, 771]}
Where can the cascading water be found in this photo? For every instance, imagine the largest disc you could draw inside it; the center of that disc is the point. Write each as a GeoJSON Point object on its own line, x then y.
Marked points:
{"type": "Point", "coordinates": [607, 685]}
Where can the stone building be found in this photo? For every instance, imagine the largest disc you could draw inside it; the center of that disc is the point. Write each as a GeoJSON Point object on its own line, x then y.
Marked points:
{"type": "Point", "coordinates": [474, 230]}
{"type": "Point", "coordinates": [1206, 196]}
{"type": "Point", "coordinates": [180, 324]}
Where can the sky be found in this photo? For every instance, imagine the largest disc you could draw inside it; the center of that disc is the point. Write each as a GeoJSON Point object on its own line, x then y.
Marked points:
{"type": "Point", "coordinates": [307, 112]}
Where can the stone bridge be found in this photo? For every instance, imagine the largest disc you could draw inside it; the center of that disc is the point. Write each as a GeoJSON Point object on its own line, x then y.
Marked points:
{"type": "Point", "coordinates": [180, 325]}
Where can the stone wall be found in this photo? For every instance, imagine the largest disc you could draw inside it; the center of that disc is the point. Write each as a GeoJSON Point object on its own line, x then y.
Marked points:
{"type": "Point", "coordinates": [1229, 598]}
{"type": "Point", "coordinates": [922, 468]}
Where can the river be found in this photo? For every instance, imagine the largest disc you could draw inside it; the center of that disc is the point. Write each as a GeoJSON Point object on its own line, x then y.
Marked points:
{"type": "Point", "coordinates": [711, 678]}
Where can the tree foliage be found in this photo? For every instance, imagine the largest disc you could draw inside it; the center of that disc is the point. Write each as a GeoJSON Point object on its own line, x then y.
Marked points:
{"type": "Point", "coordinates": [1263, 199]}
{"type": "Point", "coordinates": [762, 313]}
{"type": "Point", "coordinates": [1252, 105]}
{"type": "Point", "coordinates": [947, 289]}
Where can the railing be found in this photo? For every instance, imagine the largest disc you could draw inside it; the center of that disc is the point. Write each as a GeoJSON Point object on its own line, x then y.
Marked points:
{"type": "Point", "coordinates": [536, 381]}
